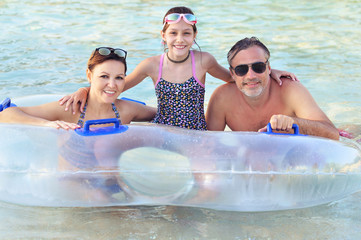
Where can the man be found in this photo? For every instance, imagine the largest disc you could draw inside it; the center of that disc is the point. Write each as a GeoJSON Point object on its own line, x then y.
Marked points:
{"type": "Point", "coordinates": [254, 99]}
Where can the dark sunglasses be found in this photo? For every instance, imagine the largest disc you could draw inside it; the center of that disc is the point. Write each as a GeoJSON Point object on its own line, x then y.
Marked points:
{"type": "Point", "coordinates": [257, 67]}
{"type": "Point", "coordinates": [105, 51]}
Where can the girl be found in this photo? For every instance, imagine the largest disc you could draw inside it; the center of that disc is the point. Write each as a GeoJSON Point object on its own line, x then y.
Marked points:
{"type": "Point", "coordinates": [178, 75]}
{"type": "Point", "coordinates": [105, 73]}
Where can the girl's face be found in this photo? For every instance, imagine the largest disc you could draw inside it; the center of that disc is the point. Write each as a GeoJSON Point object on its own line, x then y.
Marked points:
{"type": "Point", "coordinates": [107, 80]}
{"type": "Point", "coordinates": [179, 38]}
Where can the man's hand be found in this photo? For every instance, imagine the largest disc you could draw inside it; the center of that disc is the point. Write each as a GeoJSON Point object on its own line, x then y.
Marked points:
{"type": "Point", "coordinates": [279, 123]}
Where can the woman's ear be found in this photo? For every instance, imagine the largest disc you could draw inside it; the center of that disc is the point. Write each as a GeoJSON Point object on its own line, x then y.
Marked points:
{"type": "Point", "coordinates": [89, 75]}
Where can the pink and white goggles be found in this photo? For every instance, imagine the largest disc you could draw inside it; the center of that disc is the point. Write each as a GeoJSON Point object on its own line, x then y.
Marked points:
{"type": "Point", "coordinates": [176, 17]}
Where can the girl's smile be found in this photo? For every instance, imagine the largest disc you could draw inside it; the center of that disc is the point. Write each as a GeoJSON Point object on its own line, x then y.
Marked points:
{"type": "Point", "coordinates": [179, 38]}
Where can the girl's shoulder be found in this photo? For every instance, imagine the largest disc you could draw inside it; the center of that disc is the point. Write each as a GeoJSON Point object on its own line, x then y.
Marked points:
{"type": "Point", "coordinates": [152, 60]}
{"type": "Point", "coordinates": [201, 54]}
{"type": "Point", "coordinates": [205, 58]}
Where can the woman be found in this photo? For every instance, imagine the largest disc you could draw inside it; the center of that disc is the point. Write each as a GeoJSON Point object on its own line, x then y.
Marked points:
{"type": "Point", "coordinates": [105, 73]}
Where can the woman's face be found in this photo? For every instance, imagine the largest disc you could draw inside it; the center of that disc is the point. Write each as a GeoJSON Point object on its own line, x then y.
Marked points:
{"type": "Point", "coordinates": [107, 80]}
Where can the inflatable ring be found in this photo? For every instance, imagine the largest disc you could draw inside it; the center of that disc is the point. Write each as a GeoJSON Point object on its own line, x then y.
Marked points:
{"type": "Point", "coordinates": [148, 164]}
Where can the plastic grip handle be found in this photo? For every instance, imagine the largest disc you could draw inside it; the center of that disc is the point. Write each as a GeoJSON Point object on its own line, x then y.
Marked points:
{"type": "Point", "coordinates": [86, 131]}
{"type": "Point", "coordinates": [101, 121]}
{"type": "Point", "coordinates": [129, 99]}
{"type": "Point", "coordinates": [294, 127]}
{"type": "Point", "coordinates": [5, 104]}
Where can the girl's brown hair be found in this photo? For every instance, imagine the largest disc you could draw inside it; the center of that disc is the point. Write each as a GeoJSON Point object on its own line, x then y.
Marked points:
{"type": "Point", "coordinates": [178, 10]}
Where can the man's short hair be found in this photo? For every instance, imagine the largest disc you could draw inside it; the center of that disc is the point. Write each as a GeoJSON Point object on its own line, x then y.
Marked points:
{"type": "Point", "coordinates": [244, 44]}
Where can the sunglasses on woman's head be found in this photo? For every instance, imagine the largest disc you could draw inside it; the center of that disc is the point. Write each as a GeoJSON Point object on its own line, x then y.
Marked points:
{"type": "Point", "coordinates": [176, 17]}
{"type": "Point", "coordinates": [257, 67]}
{"type": "Point", "coordinates": [105, 51]}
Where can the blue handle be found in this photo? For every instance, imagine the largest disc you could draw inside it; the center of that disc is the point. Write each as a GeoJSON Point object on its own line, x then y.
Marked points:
{"type": "Point", "coordinates": [129, 99]}
{"type": "Point", "coordinates": [6, 103]}
{"type": "Point", "coordinates": [294, 127]}
{"type": "Point", "coordinates": [87, 131]}
{"type": "Point", "coordinates": [101, 121]}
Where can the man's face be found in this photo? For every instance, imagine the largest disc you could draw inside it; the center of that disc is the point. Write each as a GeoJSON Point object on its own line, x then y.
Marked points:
{"type": "Point", "coordinates": [252, 84]}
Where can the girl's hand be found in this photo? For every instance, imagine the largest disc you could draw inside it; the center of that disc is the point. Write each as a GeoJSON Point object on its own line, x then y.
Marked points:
{"type": "Point", "coordinates": [72, 100]}
{"type": "Point", "coordinates": [61, 124]}
{"type": "Point", "coordinates": [277, 74]}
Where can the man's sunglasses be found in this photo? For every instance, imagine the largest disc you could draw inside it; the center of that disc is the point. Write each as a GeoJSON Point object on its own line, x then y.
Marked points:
{"type": "Point", "coordinates": [257, 67]}
{"type": "Point", "coordinates": [105, 51]}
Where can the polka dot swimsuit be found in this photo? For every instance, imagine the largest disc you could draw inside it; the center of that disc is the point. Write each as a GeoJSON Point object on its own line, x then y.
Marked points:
{"type": "Point", "coordinates": [180, 104]}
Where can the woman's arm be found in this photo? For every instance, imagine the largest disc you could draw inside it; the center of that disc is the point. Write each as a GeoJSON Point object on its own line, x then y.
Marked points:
{"type": "Point", "coordinates": [46, 115]}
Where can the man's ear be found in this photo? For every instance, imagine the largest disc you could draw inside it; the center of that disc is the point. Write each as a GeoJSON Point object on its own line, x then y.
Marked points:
{"type": "Point", "coordinates": [232, 73]}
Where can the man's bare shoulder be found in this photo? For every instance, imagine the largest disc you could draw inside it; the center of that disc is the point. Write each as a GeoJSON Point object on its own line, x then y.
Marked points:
{"type": "Point", "coordinates": [226, 89]}
{"type": "Point", "coordinates": [292, 88]}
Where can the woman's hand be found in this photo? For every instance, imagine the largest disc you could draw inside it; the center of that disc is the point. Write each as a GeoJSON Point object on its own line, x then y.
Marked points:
{"type": "Point", "coordinates": [72, 100]}
{"type": "Point", "coordinates": [61, 124]}
{"type": "Point", "coordinates": [277, 74]}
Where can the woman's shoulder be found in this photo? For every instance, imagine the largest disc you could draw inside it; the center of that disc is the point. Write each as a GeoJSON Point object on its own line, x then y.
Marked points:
{"type": "Point", "coordinates": [126, 104]}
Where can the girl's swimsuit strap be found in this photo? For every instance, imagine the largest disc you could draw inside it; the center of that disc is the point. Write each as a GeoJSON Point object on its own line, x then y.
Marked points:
{"type": "Point", "coordinates": [160, 69]}
{"type": "Point", "coordinates": [194, 70]}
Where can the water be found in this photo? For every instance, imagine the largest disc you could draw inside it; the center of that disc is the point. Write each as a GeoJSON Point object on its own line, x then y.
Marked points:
{"type": "Point", "coordinates": [44, 48]}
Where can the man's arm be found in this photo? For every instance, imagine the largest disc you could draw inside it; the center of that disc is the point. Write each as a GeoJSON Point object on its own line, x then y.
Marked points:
{"type": "Point", "coordinates": [215, 116]}
{"type": "Point", "coordinates": [309, 117]}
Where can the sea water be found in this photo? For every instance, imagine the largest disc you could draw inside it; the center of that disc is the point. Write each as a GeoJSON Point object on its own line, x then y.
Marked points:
{"type": "Point", "coordinates": [44, 47]}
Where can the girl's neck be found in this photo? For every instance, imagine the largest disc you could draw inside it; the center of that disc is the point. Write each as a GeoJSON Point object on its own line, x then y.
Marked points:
{"type": "Point", "coordinates": [178, 61]}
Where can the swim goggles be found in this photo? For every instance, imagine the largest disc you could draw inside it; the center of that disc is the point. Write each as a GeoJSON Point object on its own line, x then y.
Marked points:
{"type": "Point", "coordinates": [257, 67]}
{"type": "Point", "coordinates": [105, 51]}
{"type": "Point", "coordinates": [176, 17]}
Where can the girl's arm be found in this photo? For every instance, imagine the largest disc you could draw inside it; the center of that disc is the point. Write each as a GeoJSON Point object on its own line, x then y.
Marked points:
{"type": "Point", "coordinates": [43, 115]}
{"type": "Point", "coordinates": [216, 70]}
{"type": "Point", "coordinates": [72, 100]}
{"type": "Point", "coordinates": [141, 71]}
{"type": "Point", "coordinates": [277, 74]}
